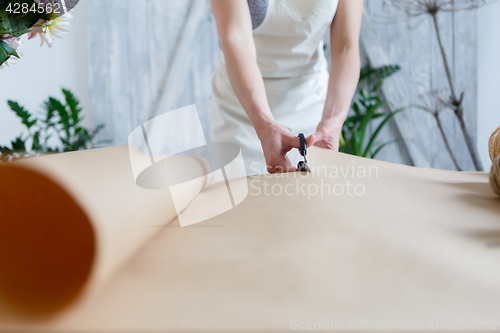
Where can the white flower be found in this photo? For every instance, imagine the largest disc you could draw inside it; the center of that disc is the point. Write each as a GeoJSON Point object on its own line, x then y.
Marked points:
{"type": "Point", "coordinates": [17, 44]}
{"type": "Point", "coordinates": [47, 30]}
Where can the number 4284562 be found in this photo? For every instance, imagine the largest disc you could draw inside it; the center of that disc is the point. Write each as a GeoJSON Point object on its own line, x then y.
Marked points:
{"type": "Point", "coordinates": [40, 8]}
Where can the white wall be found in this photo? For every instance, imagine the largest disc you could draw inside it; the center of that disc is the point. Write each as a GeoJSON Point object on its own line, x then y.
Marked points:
{"type": "Point", "coordinates": [42, 71]}
{"type": "Point", "coordinates": [488, 77]}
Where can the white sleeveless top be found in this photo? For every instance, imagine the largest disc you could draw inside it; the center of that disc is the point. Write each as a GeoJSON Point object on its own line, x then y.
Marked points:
{"type": "Point", "coordinates": [289, 45]}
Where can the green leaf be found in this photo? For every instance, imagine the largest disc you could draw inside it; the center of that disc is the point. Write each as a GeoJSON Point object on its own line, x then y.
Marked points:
{"type": "Point", "coordinates": [82, 140]}
{"type": "Point", "coordinates": [363, 102]}
{"type": "Point", "coordinates": [5, 150]}
{"type": "Point", "coordinates": [3, 7]}
{"type": "Point", "coordinates": [8, 49]}
{"type": "Point", "coordinates": [347, 149]}
{"type": "Point", "coordinates": [377, 86]}
{"type": "Point", "coordinates": [36, 142]}
{"type": "Point", "coordinates": [19, 145]}
{"type": "Point", "coordinates": [54, 105]}
{"type": "Point", "coordinates": [355, 107]}
{"type": "Point", "coordinates": [46, 140]}
{"type": "Point", "coordinates": [379, 73]}
{"type": "Point", "coordinates": [72, 103]}
{"type": "Point", "coordinates": [357, 143]}
{"type": "Point", "coordinates": [379, 129]}
{"type": "Point", "coordinates": [342, 140]}
{"type": "Point", "coordinates": [366, 120]}
{"type": "Point", "coordinates": [362, 93]}
{"type": "Point", "coordinates": [4, 24]}
{"type": "Point", "coordinates": [22, 113]}
{"type": "Point", "coordinates": [358, 118]}
{"type": "Point", "coordinates": [49, 114]}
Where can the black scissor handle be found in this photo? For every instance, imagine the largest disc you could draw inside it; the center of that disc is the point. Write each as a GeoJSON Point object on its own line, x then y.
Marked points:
{"type": "Point", "coordinates": [303, 145]}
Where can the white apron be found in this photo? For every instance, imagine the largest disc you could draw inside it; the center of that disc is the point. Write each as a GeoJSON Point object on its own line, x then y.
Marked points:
{"type": "Point", "coordinates": [289, 44]}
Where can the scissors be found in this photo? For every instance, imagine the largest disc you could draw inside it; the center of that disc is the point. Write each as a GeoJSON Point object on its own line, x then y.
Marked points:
{"type": "Point", "coordinates": [302, 166]}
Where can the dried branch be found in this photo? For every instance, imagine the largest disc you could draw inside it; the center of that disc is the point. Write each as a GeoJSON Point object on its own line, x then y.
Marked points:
{"type": "Point", "coordinates": [434, 104]}
{"type": "Point", "coordinates": [414, 8]}
{"type": "Point", "coordinates": [423, 7]}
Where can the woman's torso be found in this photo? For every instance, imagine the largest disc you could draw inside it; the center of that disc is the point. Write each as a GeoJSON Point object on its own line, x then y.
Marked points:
{"type": "Point", "coordinates": [289, 35]}
{"type": "Point", "coordinates": [289, 45]}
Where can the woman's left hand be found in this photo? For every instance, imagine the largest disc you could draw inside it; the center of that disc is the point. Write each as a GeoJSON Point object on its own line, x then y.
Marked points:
{"type": "Point", "coordinates": [327, 135]}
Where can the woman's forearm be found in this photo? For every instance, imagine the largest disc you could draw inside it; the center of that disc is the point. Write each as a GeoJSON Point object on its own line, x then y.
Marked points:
{"type": "Point", "coordinates": [248, 85]}
{"type": "Point", "coordinates": [234, 27]}
{"type": "Point", "coordinates": [345, 65]}
{"type": "Point", "coordinates": [344, 77]}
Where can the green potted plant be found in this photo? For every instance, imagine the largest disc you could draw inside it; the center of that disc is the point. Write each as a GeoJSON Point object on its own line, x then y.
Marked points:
{"type": "Point", "coordinates": [60, 120]}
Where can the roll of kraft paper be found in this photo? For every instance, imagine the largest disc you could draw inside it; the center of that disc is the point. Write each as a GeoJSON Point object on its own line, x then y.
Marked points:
{"type": "Point", "coordinates": [68, 221]}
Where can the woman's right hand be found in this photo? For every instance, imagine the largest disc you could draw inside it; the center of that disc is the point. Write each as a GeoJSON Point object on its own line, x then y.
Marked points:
{"type": "Point", "coordinates": [276, 142]}
{"type": "Point", "coordinates": [234, 26]}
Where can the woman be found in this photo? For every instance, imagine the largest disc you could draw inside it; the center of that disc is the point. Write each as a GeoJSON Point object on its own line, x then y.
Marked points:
{"type": "Point", "coordinates": [272, 81]}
